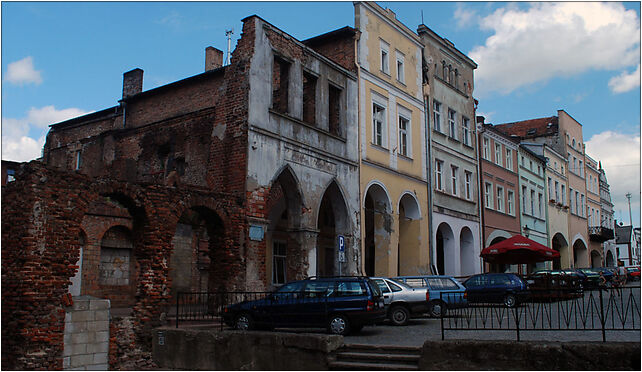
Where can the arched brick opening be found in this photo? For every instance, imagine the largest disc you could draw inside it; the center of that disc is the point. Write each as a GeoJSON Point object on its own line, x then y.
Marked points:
{"type": "Point", "coordinates": [332, 220]}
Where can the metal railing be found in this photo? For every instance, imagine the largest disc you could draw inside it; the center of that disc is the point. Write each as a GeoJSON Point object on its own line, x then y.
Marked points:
{"type": "Point", "coordinates": [559, 309]}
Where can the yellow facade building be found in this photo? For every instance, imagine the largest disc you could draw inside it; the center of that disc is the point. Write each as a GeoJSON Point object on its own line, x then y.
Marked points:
{"type": "Point", "coordinates": [392, 145]}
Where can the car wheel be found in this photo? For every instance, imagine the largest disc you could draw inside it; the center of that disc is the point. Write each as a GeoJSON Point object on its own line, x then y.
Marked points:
{"type": "Point", "coordinates": [510, 300]}
{"type": "Point", "coordinates": [399, 315]}
{"type": "Point", "coordinates": [436, 309]}
{"type": "Point", "coordinates": [338, 325]}
{"type": "Point", "coordinates": [244, 322]}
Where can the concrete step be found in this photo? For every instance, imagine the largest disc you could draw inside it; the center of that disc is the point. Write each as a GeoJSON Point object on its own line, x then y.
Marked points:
{"type": "Point", "coordinates": [362, 366]}
{"type": "Point", "coordinates": [379, 357]}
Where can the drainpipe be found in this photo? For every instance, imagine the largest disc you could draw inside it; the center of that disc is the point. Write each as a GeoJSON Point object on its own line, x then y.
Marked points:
{"type": "Point", "coordinates": [479, 186]}
{"type": "Point", "coordinates": [429, 178]}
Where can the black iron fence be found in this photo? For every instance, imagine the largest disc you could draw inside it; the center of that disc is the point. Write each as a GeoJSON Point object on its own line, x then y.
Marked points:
{"type": "Point", "coordinates": [209, 306]}
{"type": "Point", "coordinates": [555, 309]}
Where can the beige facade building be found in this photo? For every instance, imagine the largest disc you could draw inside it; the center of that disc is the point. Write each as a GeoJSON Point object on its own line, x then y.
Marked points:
{"type": "Point", "coordinates": [394, 215]}
{"type": "Point", "coordinates": [558, 209]}
{"type": "Point", "coordinates": [452, 152]}
{"type": "Point", "coordinates": [593, 212]}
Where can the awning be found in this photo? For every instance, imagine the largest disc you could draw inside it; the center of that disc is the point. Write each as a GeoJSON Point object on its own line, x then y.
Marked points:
{"type": "Point", "coordinates": [518, 250]}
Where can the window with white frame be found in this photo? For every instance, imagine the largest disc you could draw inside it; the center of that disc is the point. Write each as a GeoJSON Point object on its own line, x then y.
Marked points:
{"type": "Point", "coordinates": [488, 195]}
{"type": "Point", "coordinates": [486, 148]}
{"type": "Point", "coordinates": [469, 182]}
{"type": "Point", "coordinates": [577, 202]}
{"type": "Point", "coordinates": [385, 57]}
{"type": "Point", "coordinates": [550, 187]}
{"type": "Point", "coordinates": [509, 159]}
{"type": "Point", "coordinates": [465, 124]}
{"type": "Point", "coordinates": [452, 128]}
{"type": "Point", "coordinates": [439, 169]}
{"type": "Point", "coordinates": [510, 202]}
{"type": "Point", "coordinates": [563, 199]}
{"type": "Point", "coordinates": [404, 136]}
{"type": "Point", "coordinates": [436, 115]}
{"type": "Point", "coordinates": [524, 198]}
{"type": "Point", "coordinates": [378, 124]}
{"type": "Point", "coordinates": [540, 205]}
{"type": "Point", "coordinates": [583, 209]}
{"type": "Point", "coordinates": [557, 191]}
{"type": "Point", "coordinates": [454, 177]}
{"type": "Point", "coordinates": [581, 168]}
{"type": "Point", "coordinates": [279, 250]}
{"type": "Point", "coordinates": [532, 202]}
{"type": "Point", "coordinates": [500, 199]}
{"type": "Point", "coordinates": [498, 154]}
{"type": "Point", "coordinates": [400, 68]}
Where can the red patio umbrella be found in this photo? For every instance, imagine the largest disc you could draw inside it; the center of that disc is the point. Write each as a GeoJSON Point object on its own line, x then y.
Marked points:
{"type": "Point", "coordinates": [518, 250]}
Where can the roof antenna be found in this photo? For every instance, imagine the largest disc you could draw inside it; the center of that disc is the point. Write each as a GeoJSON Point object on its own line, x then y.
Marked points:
{"type": "Point", "coordinates": [229, 33]}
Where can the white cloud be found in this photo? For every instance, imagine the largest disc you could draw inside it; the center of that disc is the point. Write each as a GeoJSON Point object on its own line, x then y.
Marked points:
{"type": "Point", "coordinates": [22, 139]}
{"type": "Point", "coordinates": [551, 40]}
{"type": "Point", "coordinates": [620, 157]}
{"type": "Point", "coordinates": [464, 17]}
{"type": "Point", "coordinates": [625, 81]}
{"type": "Point", "coordinates": [22, 72]}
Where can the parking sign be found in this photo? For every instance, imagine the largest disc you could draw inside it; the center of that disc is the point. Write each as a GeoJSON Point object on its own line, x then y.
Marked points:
{"type": "Point", "coordinates": [341, 242]}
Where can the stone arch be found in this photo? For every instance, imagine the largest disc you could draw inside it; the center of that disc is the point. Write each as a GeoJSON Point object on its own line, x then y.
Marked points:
{"type": "Point", "coordinates": [409, 242]}
{"type": "Point", "coordinates": [492, 238]}
{"type": "Point", "coordinates": [610, 260]}
{"type": "Point", "coordinates": [117, 275]}
{"type": "Point", "coordinates": [467, 257]}
{"type": "Point", "coordinates": [559, 243]}
{"type": "Point", "coordinates": [580, 253]}
{"type": "Point", "coordinates": [445, 249]}
{"type": "Point", "coordinates": [500, 236]}
{"type": "Point", "coordinates": [378, 228]}
{"type": "Point", "coordinates": [332, 220]}
{"type": "Point", "coordinates": [286, 259]}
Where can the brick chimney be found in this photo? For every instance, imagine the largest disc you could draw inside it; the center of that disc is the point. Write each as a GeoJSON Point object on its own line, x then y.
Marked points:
{"type": "Point", "coordinates": [481, 120]}
{"type": "Point", "coordinates": [213, 58]}
{"type": "Point", "coordinates": [132, 82]}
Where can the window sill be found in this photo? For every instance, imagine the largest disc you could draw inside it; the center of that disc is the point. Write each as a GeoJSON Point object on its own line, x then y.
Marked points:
{"type": "Point", "coordinates": [444, 192]}
{"type": "Point", "coordinates": [439, 132]}
{"type": "Point", "coordinates": [404, 157]}
{"type": "Point", "coordinates": [379, 147]}
{"type": "Point", "coordinates": [307, 125]}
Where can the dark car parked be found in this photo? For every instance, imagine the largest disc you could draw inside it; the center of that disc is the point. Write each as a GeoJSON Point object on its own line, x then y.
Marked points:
{"type": "Point", "coordinates": [505, 288]}
{"type": "Point", "coordinates": [340, 304]}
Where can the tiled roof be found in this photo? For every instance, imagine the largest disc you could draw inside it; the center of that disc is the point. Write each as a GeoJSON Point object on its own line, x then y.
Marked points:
{"type": "Point", "coordinates": [531, 128]}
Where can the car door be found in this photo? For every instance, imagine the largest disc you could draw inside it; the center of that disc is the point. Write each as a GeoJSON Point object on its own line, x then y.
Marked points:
{"type": "Point", "coordinates": [285, 304]}
{"type": "Point", "coordinates": [387, 293]}
{"type": "Point", "coordinates": [475, 287]}
{"type": "Point", "coordinates": [313, 309]}
{"type": "Point", "coordinates": [349, 296]}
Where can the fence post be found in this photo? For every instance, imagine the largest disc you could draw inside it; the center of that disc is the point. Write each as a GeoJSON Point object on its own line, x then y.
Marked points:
{"type": "Point", "coordinates": [602, 317]}
{"type": "Point", "coordinates": [178, 296]}
{"type": "Point", "coordinates": [441, 314]}
{"type": "Point", "coordinates": [516, 315]}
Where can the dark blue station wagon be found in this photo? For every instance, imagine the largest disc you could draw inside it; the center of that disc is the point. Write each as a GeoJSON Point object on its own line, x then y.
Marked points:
{"type": "Point", "coordinates": [340, 304]}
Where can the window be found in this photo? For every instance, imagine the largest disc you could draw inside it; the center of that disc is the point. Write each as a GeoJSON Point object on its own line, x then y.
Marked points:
{"type": "Point", "coordinates": [509, 159]}
{"type": "Point", "coordinates": [442, 284]}
{"type": "Point", "coordinates": [562, 169]}
{"type": "Point", "coordinates": [488, 195]}
{"type": "Point", "coordinates": [451, 124]}
{"type": "Point", "coordinates": [510, 203]}
{"type": "Point", "coordinates": [439, 165]}
{"type": "Point", "coordinates": [78, 160]}
{"type": "Point", "coordinates": [577, 202]}
{"type": "Point", "coordinates": [530, 165]}
{"type": "Point", "coordinates": [278, 262]}
{"type": "Point", "coordinates": [11, 175]}
{"type": "Point", "coordinates": [557, 194]}
{"type": "Point", "coordinates": [498, 154]}
{"type": "Point", "coordinates": [454, 172]}
{"type": "Point", "coordinates": [532, 202]}
{"type": "Point", "coordinates": [280, 83]}
{"type": "Point", "coordinates": [523, 161]}
{"type": "Point", "coordinates": [550, 187]}
{"type": "Point", "coordinates": [582, 199]}
{"type": "Point", "coordinates": [404, 126]}
{"type": "Point", "coordinates": [575, 165]}
{"type": "Point", "coordinates": [581, 170]}
{"type": "Point", "coordinates": [378, 124]}
{"type": "Point", "coordinates": [486, 149]}
{"type": "Point", "coordinates": [500, 199]}
{"type": "Point", "coordinates": [465, 124]}
{"type": "Point", "coordinates": [524, 199]}
{"type": "Point", "coordinates": [436, 115]}
{"type": "Point", "coordinates": [334, 110]}
{"type": "Point", "coordinates": [563, 200]}
{"type": "Point", "coordinates": [573, 143]}
{"type": "Point", "coordinates": [539, 170]}
{"type": "Point", "coordinates": [309, 97]}
{"type": "Point", "coordinates": [385, 57]}
{"type": "Point", "coordinates": [540, 205]}
{"type": "Point", "coordinates": [347, 289]}
{"type": "Point", "coordinates": [469, 182]}
{"type": "Point", "coordinates": [400, 69]}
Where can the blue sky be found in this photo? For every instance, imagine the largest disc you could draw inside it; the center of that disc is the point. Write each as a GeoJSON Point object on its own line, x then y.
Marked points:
{"type": "Point", "coordinates": [63, 59]}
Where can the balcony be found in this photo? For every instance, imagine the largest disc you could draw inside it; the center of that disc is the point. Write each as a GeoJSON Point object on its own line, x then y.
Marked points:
{"type": "Point", "coordinates": [600, 234]}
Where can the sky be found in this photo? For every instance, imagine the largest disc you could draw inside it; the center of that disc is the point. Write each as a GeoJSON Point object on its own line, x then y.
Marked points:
{"type": "Point", "coordinates": [65, 59]}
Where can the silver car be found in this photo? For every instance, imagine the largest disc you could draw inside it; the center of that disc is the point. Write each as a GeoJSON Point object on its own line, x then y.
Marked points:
{"type": "Point", "coordinates": [402, 301]}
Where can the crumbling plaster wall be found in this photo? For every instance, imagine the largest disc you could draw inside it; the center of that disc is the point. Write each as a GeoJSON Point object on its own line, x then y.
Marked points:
{"type": "Point", "coordinates": [315, 157]}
